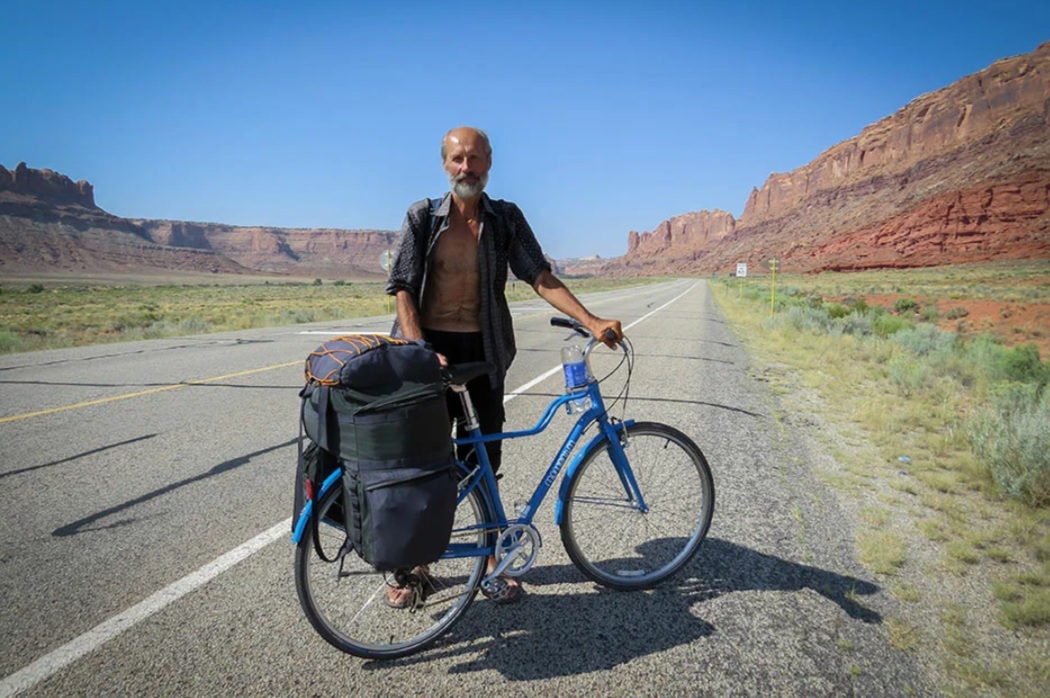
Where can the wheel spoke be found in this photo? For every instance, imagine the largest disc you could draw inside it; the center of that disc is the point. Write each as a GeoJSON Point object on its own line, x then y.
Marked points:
{"type": "Point", "coordinates": [351, 610]}
{"type": "Point", "coordinates": [609, 538]}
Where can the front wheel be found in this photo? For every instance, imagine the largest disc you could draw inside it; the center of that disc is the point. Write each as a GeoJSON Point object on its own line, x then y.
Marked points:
{"type": "Point", "coordinates": [345, 600]}
{"type": "Point", "coordinates": [621, 542]}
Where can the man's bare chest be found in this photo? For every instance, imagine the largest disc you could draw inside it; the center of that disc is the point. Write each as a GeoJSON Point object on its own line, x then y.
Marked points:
{"type": "Point", "coordinates": [456, 251]}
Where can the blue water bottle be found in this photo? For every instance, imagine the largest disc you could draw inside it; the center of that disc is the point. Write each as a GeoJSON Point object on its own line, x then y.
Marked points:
{"type": "Point", "coordinates": [576, 378]}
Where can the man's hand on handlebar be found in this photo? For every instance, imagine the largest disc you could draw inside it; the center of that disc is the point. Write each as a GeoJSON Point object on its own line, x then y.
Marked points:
{"type": "Point", "coordinates": [608, 332]}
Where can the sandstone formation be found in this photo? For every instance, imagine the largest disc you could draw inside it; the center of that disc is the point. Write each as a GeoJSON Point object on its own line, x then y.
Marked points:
{"type": "Point", "coordinates": [47, 185]}
{"type": "Point", "coordinates": [49, 223]}
{"type": "Point", "coordinates": [682, 234]}
{"type": "Point", "coordinates": [957, 175]}
{"type": "Point", "coordinates": [299, 251]}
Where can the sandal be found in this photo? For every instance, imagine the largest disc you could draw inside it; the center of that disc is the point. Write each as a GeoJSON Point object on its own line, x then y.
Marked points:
{"type": "Point", "coordinates": [412, 594]}
{"type": "Point", "coordinates": [499, 590]}
{"type": "Point", "coordinates": [399, 597]}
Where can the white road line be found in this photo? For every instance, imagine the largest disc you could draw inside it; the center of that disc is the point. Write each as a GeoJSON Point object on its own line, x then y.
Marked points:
{"type": "Point", "coordinates": [49, 664]}
{"type": "Point", "coordinates": [105, 631]}
{"type": "Point", "coordinates": [539, 379]}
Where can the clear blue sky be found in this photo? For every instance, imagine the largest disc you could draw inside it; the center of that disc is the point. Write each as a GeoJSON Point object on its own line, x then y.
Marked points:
{"type": "Point", "coordinates": [605, 117]}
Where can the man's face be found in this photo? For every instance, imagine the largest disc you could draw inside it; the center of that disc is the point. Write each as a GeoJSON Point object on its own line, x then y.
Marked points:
{"type": "Point", "coordinates": [467, 163]}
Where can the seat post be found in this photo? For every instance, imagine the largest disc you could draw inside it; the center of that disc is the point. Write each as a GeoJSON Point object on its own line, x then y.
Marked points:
{"type": "Point", "coordinates": [468, 406]}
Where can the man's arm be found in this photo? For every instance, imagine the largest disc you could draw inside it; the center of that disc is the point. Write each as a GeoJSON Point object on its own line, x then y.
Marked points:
{"type": "Point", "coordinates": [408, 315]}
{"type": "Point", "coordinates": [552, 290]}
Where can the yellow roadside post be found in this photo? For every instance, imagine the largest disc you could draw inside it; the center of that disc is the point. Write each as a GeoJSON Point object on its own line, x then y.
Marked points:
{"type": "Point", "coordinates": [386, 258]}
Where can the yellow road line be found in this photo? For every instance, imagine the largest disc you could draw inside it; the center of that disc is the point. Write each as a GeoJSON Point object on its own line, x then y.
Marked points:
{"type": "Point", "coordinates": [140, 393]}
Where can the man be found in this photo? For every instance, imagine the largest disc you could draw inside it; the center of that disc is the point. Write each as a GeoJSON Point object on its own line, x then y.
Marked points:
{"type": "Point", "coordinates": [449, 277]}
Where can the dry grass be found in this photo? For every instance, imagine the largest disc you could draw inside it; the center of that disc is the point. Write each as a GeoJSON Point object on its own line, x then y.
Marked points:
{"type": "Point", "coordinates": [49, 314]}
{"type": "Point", "coordinates": [900, 442]}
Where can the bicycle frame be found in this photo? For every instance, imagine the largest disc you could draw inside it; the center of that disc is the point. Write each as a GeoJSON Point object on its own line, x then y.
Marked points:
{"type": "Point", "coordinates": [482, 476]}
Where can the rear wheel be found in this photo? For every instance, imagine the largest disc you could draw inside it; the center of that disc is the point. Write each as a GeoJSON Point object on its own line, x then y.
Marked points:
{"type": "Point", "coordinates": [604, 528]}
{"type": "Point", "coordinates": [346, 600]}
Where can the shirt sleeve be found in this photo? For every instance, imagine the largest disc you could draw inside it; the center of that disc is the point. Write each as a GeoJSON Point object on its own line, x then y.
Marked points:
{"type": "Point", "coordinates": [406, 271]}
{"type": "Point", "coordinates": [525, 255]}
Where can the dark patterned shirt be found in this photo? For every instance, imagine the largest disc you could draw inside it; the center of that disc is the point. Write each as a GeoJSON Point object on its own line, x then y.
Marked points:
{"type": "Point", "coordinates": [505, 240]}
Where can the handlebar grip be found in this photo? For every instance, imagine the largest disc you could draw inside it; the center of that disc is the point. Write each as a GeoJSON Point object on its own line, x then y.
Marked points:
{"type": "Point", "coordinates": [563, 322]}
{"type": "Point", "coordinates": [610, 336]}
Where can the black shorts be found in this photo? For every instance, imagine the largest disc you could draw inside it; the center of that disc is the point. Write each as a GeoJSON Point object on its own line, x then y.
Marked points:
{"type": "Point", "coordinates": [461, 347]}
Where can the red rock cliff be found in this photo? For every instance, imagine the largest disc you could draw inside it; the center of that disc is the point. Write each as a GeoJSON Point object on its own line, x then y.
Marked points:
{"type": "Point", "coordinates": [46, 185]}
{"type": "Point", "coordinates": [960, 174]}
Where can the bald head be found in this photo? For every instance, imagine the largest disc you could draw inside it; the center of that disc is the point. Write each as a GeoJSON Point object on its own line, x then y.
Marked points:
{"type": "Point", "coordinates": [466, 136]}
{"type": "Point", "coordinates": [466, 157]}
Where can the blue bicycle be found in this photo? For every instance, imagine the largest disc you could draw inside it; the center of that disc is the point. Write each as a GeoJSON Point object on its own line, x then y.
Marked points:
{"type": "Point", "coordinates": [633, 508]}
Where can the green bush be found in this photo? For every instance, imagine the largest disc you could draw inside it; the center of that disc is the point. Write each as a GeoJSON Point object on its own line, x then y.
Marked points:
{"type": "Point", "coordinates": [856, 323]}
{"type": "Point", "coordinates": [804, 318]}
{"type": "Point", "coordinates": [884, 325]}
{"type": "Point", "coordinates": [905, 305]}
{"type": "Point", "coordinates": [753, 293]}
{"type": "Point", "coordinates": [857, 305]}
{"type": "Point", "coordinates": [1012, 435]}
{"type": "Point", "coordinates": [956, 313]}
{"type": "Point", "coordinates": [35, 288]}
{"type": "Point", "coordinates": [924, 340]}
{"type": "Point", "coordinates": [318, 282]}
{"type": "Point", "coordinates": [929, 314]}
{"type": "Point", "coordinates": [999, 363]}
{"type": "Point", "coordinates": [837, 310]}
{"type": "Point", "coordinates": [9, 341]}
{"type": "Point", "coordinates": [910, 375]}
{"type": "Point", "coordinates": [1022, 364]}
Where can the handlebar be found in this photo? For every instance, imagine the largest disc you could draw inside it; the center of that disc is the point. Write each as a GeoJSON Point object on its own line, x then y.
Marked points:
{"type": "Point", "coordinates": [579, 329]}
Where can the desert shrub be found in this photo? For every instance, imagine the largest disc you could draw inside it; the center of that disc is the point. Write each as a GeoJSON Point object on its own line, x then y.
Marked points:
{"type": "Point", "coordinates": [1000, 363]}
{"type": "Point", "coordinates": [884, 325]}
{"type": "Point", "coordinates": [805, 319]}
{"type": "Point", "coordinates": [318, 282]}
{"type": "Point", "coordinates": [924, 339]}
{"type": "Point", "coordinates": [296, 316]}
{"type": "Point", "coordinates": [837, 310]}
{"type": "Point", "coordinates": [1022, 364]}
{"type": "Point", "coordinates": [175, 328]}
{"type": "Point", "coordinates": [1011, 434]}
{"type": "Point", "coordinates": [340, 282]}
{"type": "Point", "coordinates": [909, 374]}
{"type": "Point", "coordinates": [857, 305]}
{"type": "Point", "coordinates": [9, 342]}
{"type": "Point", "coordinates": [753, 293]}
{"type": "Point", "coordinates": [856, 323]}
{"type": "Point", "coordinates": [905, 305]}
{"type": "Point", "coordinates": [35, 288]}
{"type": "Point", "coordinates": [956, 313]}
{"type": "Point", "coordinates": [929, 314]}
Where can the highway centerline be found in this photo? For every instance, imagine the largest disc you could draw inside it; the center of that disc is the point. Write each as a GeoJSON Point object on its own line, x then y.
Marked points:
{"type": "Point", "coordinates": [115, 625]}
{"type": "Point", "coordinates": [140, 393]}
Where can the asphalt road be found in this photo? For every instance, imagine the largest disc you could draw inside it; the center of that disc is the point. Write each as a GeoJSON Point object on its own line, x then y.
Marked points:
{"type": "Point", "coordinates": [145, 490]}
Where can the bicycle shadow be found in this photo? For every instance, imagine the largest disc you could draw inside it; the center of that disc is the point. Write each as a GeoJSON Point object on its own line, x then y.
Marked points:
{"type": "Point", "coordinates": [551, 636]}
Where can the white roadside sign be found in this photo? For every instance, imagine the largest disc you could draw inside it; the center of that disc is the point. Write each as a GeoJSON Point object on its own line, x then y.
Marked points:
{"type": "Point", "coordinates": [741, 269]}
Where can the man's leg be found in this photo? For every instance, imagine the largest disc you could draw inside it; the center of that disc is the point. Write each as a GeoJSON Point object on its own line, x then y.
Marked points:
{"type": "Point", "coordinates": [488, 403]}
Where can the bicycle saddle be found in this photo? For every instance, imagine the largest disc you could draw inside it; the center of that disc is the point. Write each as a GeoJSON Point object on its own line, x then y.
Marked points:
{"type": "Point", "coordinates": [459, 374]}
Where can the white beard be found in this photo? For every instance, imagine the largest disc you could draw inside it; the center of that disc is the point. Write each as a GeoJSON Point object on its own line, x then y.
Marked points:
{"type": "Point", "coordinates": [466, 190]}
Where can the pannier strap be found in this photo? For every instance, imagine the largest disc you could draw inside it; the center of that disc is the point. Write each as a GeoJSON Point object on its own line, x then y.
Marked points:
{"type": "Point", "coordinates": [340, 350]}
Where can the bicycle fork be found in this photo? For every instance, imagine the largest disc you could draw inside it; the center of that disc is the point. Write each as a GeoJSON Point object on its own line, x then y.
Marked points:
{"type": "Point", "coordinates": [618, 443]}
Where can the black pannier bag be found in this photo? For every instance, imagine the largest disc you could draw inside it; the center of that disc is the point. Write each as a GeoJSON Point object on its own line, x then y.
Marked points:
{"type": "Point", "coordinates": [376, 406]}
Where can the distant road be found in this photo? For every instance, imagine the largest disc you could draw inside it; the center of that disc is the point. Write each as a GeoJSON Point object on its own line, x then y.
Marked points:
{"type": "Point", "coordinates": [145, 490]}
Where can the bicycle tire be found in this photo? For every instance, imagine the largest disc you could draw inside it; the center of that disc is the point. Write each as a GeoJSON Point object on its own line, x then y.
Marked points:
{"type": "Point", "coordinates": [605, 532]}
{"type": "Point", "coordinates": [347, 607]}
